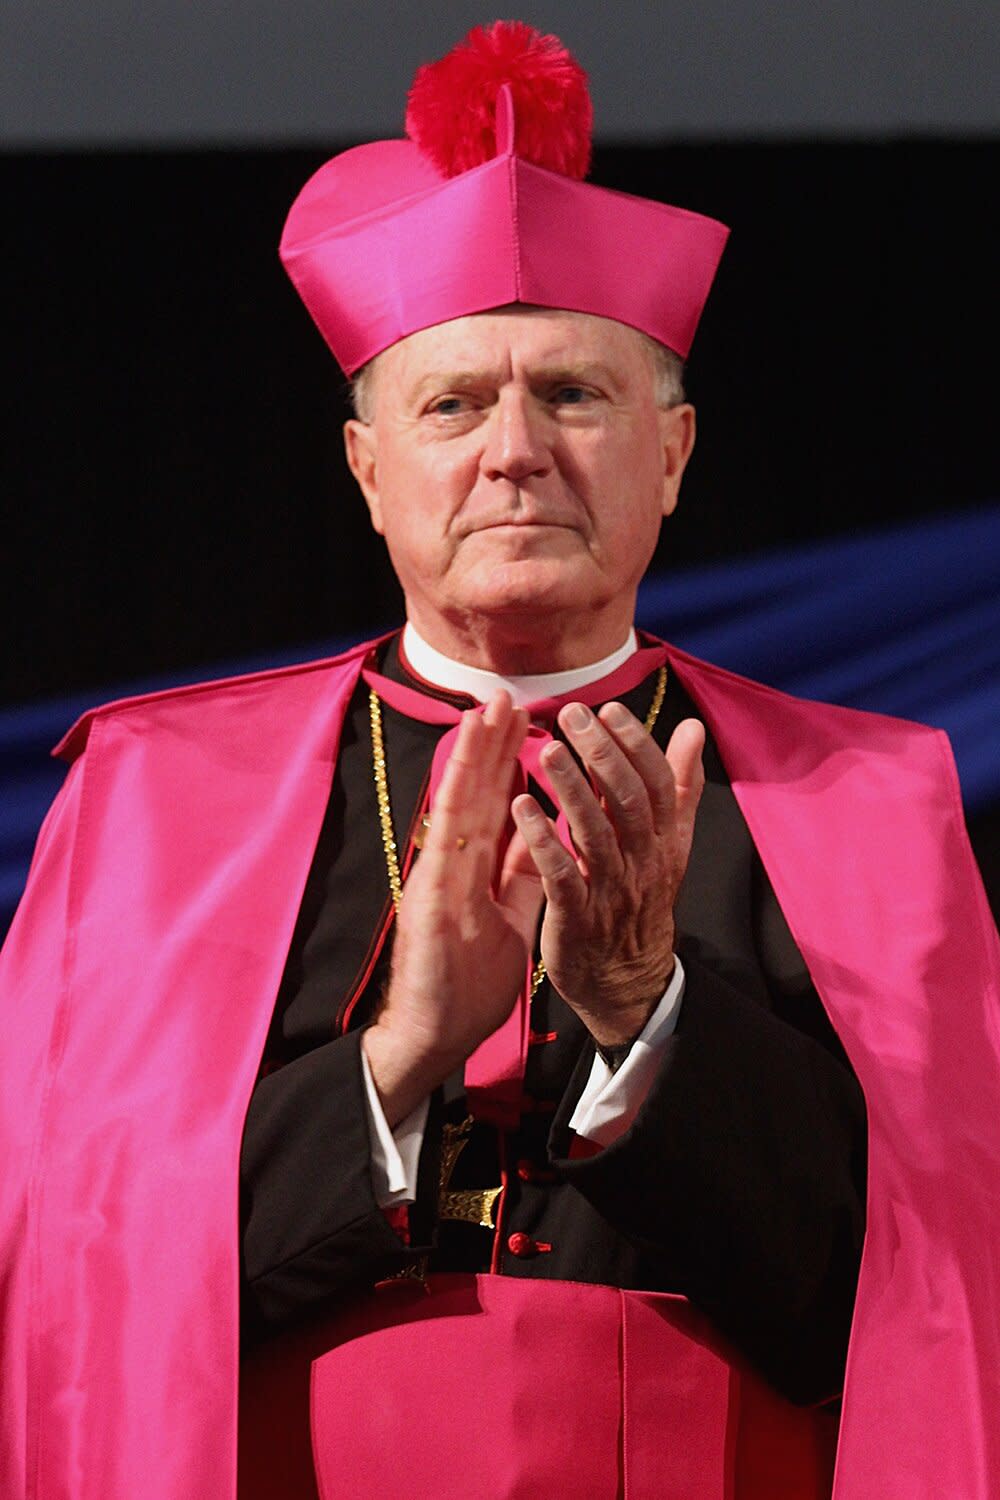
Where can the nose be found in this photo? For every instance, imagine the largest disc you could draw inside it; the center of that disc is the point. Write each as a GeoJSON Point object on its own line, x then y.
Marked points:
{"type": "Point", "coordinates": [516, 445]}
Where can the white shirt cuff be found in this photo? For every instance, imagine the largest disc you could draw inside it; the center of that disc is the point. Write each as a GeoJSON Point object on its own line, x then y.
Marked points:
{"type": "Point", "coordinates": [611, 1100]}
{"type": "Point", "coordinates": [395, 1154]}
{"type": "Point", "coordinates": [604, 1111]}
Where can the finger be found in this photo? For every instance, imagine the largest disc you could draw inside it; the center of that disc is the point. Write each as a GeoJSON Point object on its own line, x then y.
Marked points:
{"type": "Point", "coordinates": [517, 729]}
{"type": "Point", "coordinates": [498, 768]}
{"type": "Point", "coordinates": [505, 728]}
{"type": "Point", "coordinates": [472, 801]}
{"type": "Point", "coordinates": [496, 719]}
{"type": "Point", "coordinates": [684, 757]}
{"type": "Point", "coordinates": [469, 807]}
{"type": "Point", "coordinates": [451, 818]}
{"type": "Point", "coordinates": [519, 889]}
{"type": "Point", "coordinates": [564, 886]}
{"type": "Point", "coordinates": [621, 786]}
{"type": "Point", "coordinates": [473, 785]}
{"type": "Point", "coordinates": [647, 759]}
{"type": "Point", "coordinates": [461, 773]}
{"type": "Point", "coordinates": [593, 834]}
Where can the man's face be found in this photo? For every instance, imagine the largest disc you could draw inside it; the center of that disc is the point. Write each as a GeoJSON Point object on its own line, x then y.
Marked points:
{"type": "Point", "coordinates": [518, 466]}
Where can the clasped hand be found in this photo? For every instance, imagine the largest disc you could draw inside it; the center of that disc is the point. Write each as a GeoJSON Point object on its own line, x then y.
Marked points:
{"type": "Point", "coordinates": [469, 915]}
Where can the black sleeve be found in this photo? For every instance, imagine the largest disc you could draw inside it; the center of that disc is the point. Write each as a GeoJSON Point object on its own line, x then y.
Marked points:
{"type": "Point", "coordinates": [744, 1176]}
{"type": "Point", "coordinates": [311, 1227]}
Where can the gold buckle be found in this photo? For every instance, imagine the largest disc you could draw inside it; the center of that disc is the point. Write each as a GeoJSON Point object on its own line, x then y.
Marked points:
{"type": "Point", "coordinates": [475, 1206]}
{"type": "Point", "coordinates": [468, 1205]}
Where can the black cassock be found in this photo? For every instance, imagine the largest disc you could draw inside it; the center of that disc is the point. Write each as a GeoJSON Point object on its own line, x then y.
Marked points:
{"type": "Point", "coordinates": [741, 1183]}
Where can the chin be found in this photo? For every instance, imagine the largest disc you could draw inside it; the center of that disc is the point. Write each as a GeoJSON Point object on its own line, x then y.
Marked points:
{"type": "Point", "coordinates": [536, 585]}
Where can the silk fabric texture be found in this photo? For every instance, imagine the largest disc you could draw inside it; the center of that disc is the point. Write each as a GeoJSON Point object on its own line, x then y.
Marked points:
{"type": "Point", "coordinates": [379, 244]}
{"type": "Point", "coordinates": [139, 979]}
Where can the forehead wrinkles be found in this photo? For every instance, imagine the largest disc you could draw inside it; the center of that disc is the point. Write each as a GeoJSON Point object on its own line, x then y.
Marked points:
{"type": "Point", "coordinates": [533, 373]}
{"type": "Point", "coordinates": [494, 347]}
{"type": "Point", "coordinates": [454, 375]}
{"type": "Point", "coordinates": [449, 359]}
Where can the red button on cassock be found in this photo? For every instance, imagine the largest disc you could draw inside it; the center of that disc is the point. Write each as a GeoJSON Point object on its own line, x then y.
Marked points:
{"type": "Point", "coordinates": [523, 1246]}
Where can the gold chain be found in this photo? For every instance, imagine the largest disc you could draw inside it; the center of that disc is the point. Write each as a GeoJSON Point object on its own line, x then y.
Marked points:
{"type": "Point", "coordinates": [659, 693]}
{"type": "Point", "coordinates": [384, 805]}
{"type": "Point", "coordinates": [389, 845]}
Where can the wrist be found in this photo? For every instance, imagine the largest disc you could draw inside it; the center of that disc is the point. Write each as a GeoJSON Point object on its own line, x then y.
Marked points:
{"type": "Point", "coordinates": [404, 1069]}
{"type": "Point", "coordinates": [623, 1017]}
{"type": "Point", "coordinates": [619, 1030]}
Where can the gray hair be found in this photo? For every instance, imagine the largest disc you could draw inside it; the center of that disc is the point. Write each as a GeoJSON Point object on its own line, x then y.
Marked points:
{"type": "Point", "coordinates": [668, 374]}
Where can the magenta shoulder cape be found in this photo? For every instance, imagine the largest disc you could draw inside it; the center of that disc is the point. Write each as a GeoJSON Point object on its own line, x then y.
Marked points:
{"type": "Point", "coordinates": [138, 982]}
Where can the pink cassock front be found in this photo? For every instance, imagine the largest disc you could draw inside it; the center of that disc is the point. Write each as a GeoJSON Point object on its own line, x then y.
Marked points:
{"type": "Point", "coordinates": [139, 979]}
{"type": "Point", "coordinates": [496, 1388]}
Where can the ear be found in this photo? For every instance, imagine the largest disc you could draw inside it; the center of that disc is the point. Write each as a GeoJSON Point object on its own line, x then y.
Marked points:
{"type": "Point", "coordinates": [677, 434]}
{"type": "Point", "coordinates": [361, 447]}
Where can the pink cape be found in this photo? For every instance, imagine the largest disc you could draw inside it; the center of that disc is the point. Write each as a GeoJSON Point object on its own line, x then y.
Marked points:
{"type": "Point", "coordinates": [167, 880]}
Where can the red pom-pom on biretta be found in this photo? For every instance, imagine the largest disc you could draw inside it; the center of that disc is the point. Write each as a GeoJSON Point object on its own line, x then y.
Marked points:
{"type": "Point", "coordinates": [451, 113]}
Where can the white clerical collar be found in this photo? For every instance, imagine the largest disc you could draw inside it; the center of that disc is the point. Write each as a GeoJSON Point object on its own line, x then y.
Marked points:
{"type": "Point", "coordinates": [456, 677]}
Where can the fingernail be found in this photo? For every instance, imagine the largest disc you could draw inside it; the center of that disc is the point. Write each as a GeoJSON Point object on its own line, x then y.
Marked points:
{"type": "Point", "coordinates": [616, 714]}
{"type": "Point", "coordinates": [577, 717]}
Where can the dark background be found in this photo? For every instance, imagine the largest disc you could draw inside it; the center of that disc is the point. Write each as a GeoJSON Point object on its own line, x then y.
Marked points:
{"type": "Point", "coordinates": [175, 492]}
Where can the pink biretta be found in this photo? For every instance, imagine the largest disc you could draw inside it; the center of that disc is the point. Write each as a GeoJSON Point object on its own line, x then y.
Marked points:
{"type": "Point", "coordinates": [395, 236]}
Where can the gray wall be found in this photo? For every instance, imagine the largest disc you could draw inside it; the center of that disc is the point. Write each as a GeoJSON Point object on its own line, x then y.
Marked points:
{"type": "Point", "coordinates": [182, 72]}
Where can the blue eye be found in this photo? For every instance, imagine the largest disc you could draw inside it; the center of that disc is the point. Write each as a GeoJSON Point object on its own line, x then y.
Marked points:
{"type": "Point", "coordinates": [571, 395]}
{"type": "Point", "coordinates": [449, 406]}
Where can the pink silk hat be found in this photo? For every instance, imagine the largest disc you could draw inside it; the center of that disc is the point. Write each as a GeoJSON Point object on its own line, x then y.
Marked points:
{"type": "Point", "coordinates": [483, 206]}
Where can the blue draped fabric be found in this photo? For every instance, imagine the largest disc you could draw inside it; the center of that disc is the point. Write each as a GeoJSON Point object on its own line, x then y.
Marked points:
{"type": "Point", "coordinates": [903, 621]}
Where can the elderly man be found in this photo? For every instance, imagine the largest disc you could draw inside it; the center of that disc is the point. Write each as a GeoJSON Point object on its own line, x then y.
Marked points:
{"type": "Point", "coordinates": [494, 464]}
{"type": "Point", "coordinates": [519, 464]}
{"type": "Point", "coordinates": [554, 1159]}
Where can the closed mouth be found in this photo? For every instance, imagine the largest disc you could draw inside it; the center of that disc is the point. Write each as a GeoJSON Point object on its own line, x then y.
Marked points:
{"type": "Point", "coordinates": [527, 525]}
